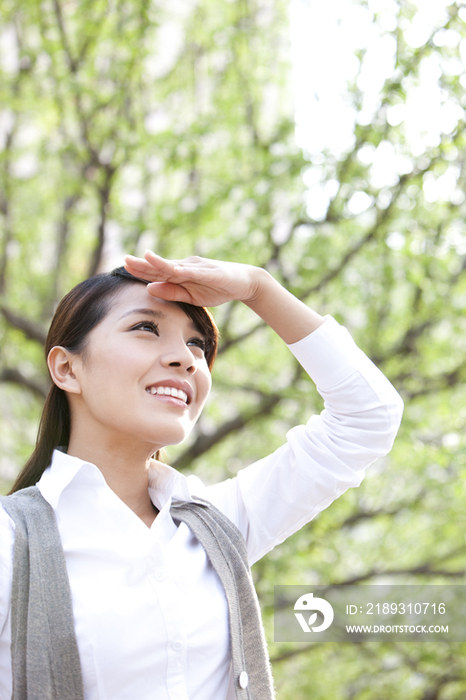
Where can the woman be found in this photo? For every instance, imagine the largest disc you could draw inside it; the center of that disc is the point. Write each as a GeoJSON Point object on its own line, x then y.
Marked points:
{"type": "Point", "coordinates": [130, 362]}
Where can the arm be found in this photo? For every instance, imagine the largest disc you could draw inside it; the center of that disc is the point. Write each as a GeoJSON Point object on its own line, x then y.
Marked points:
{"type": "Point", "coordinates": [274, 497]}
{"type": "Point", "coordinates": [284, 313]}
{"type": "Point", "coordinates": [205, 282]}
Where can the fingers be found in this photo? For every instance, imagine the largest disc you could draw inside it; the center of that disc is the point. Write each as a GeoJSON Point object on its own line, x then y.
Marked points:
{"type": "Point", "coordinates": [164, 266]}
{"type": "Point", "coordinates": [165, 276]}
{"type": "Point", "coordinates": [138, 267]}
{"type": "Point", "coordinates": [153, 267]}
{"type": "Point", "coordinates": [159, 263]}
{"type": "Point", "coordinates": [153, 263]}
{"type": "Point", "coordinates": [193, 280]}
{"type": "Point", "coordinates": [192, 269]}
{"type": "Point", "coordinates": [158, 269]}
{"type": "Point", "coordinates": [169, 292]}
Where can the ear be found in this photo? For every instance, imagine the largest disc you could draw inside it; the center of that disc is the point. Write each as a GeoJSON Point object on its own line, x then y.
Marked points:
{"type": "Point", "coordinates": [60, 363]}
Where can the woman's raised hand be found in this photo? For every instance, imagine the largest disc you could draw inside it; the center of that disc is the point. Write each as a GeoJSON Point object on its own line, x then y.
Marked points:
{"type": "Point", "coordinates": [205, 282]}
{"type": "Point", "coordinates": [195, 280]}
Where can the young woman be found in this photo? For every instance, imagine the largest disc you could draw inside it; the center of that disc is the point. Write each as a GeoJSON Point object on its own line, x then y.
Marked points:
{"type": "Point", "coordinates": [130, 358]}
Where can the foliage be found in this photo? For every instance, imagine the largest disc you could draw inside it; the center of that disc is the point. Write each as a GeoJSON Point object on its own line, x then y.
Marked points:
{"type": "Point", "coordinates": [127, 124]}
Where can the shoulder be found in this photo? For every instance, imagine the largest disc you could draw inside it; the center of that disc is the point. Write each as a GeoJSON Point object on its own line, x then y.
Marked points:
{"type": "Point", "coordinates": [224, 495]}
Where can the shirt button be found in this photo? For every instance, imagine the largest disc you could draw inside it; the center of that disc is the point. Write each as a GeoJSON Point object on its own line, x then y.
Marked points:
{"type": "Point", "coordinates": [177, 645]}
{"type": "Point", "coordinates": [160, 574]}
{"type": "Point", "coordinates": [243, 680]}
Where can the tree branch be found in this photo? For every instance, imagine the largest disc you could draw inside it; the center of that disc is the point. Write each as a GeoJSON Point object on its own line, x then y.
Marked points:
{"type": "Point", "coordinates": [293, 652]}
{"type": "Point", "coordinates": [104, 199]}
{"type": "Point", "coordinates": [431, 385]}
{"type": "Point", "coordinates": [205, 442]}
{"type": "Point", "coordinates": [367, 514]}
{"type": "Point", "coordinates": [31, 329]}
{"type": "Point", "coordinates": [73, 63]}
{"type": "Point", "coordinates": [14, 376]}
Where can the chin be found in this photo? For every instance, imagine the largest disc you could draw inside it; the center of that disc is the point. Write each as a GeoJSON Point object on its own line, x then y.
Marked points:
{"type": "Point", "coordinates": [170, 437]}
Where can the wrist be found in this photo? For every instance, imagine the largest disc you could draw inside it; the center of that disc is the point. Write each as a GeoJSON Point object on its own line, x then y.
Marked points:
{"type": "Point", "coordinates": [261, 280]}
{"type": "Point", "coordinates": [283, 312]}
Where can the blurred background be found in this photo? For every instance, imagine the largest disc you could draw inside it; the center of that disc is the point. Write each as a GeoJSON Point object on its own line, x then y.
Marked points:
{"type": "Point", "coordinates": [323, 141]}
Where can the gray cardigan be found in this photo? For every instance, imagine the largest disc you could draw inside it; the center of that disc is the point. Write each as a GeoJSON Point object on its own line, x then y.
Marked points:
{"type": "Point", "coordinates": [44, 650]}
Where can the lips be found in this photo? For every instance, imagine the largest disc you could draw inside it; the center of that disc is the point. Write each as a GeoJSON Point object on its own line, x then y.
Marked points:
{"type": "Point", "coordinates": [175, 388]}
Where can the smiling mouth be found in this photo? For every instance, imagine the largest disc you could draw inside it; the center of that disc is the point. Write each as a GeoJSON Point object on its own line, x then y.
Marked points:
{"type": "Point", "coordinates": [168, 391]}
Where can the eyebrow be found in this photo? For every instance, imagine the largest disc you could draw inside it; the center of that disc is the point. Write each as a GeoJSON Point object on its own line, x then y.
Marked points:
{"type": "Point", "coordinates": [145, 312]}
{"type": "Point", "coordinates": [158, 314]}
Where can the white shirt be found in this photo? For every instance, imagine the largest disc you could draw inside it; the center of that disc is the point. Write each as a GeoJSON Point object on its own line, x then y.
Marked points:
{"type": "Point", "coordinates": [151, 615]}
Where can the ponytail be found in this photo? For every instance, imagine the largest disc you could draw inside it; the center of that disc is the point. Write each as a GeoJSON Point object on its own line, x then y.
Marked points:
{"type": "Point", "coordinates": [54, 431]}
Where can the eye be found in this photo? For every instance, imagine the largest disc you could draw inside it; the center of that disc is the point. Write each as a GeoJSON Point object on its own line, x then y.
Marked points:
{"type": "Point", "coordinates": [199, 343]}
{"type": "Point", "coordinates": [146, 326]}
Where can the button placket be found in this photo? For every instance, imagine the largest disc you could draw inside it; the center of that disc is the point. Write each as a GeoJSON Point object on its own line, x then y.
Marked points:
{"type": "Point", "coordinates": [169, 595]}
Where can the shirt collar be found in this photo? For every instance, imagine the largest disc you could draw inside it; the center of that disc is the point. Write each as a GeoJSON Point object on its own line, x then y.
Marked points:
{"type": "Point", "coordinates": [165, 483]}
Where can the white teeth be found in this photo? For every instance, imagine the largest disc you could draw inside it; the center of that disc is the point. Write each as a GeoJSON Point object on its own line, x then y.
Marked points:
{"type": "Point", "coordinates": [169, 391]}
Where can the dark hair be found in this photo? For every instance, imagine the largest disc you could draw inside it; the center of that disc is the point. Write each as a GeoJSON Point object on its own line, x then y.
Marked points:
{"type": "Point", "coordinates": [76, 315]}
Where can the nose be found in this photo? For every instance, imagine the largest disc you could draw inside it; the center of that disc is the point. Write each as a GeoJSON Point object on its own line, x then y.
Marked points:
{"type": "Point", "coordinates": [179, 356]}
{"type": "Point", "coordinates": [190, 369]}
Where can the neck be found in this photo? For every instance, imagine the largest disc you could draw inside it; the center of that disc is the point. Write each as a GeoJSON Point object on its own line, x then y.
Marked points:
{"type": "Point", "coordinates": [125, 469]}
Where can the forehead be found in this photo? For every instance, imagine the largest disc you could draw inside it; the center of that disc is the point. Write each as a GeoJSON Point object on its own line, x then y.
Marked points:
{"type": "Point", "coordinates": [134, 299]}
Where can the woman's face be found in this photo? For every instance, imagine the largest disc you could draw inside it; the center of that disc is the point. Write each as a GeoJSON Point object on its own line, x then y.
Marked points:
{"type": "Point", "coordinates": [143, 376]}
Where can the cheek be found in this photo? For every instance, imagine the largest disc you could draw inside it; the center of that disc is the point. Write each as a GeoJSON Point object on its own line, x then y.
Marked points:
{"type": "Point", "coordinates": [205, 385]}
{"type": "Point", "coordinates": [110, 373]}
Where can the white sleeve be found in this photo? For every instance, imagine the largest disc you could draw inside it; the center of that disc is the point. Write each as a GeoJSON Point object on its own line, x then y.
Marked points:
{"type": "Point", "coordinates": [274, 497]}
{"type": "Point", "coordinates": [7, 534]}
